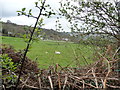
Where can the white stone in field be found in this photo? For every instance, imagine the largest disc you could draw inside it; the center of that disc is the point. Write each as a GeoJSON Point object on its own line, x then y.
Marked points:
{"type": "Point", "coordinates": [46, 52]}
{"type": "Point", "coordinates": [57, 52]}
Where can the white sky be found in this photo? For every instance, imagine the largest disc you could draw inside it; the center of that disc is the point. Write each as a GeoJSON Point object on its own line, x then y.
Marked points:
{"type": "Point", "coordinates": [8, 10]}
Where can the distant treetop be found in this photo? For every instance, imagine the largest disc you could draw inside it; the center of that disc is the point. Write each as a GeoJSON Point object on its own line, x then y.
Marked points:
{"type": "Point", "coordinates": [8, 21]}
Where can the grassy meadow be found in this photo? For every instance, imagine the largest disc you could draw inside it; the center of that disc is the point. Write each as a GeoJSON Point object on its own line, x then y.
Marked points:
{"type": "Point", "coordinates": [44, 52]}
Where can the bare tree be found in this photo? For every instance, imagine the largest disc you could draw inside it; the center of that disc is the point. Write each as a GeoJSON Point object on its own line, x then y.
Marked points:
{"type": "Point", "coordinates": [93, 16]}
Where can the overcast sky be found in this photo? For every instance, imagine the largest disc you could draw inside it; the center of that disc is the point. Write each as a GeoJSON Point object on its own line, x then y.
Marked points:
{"type": "Point", "coordinates": [9, 8]}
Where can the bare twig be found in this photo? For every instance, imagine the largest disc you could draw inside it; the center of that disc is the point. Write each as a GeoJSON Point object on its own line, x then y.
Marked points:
{"type": "Point", "coordinates": [59, 83]}
{"type": "Point", "coordinates": [25, 82]}
{"type": "Point", "coordinates": [116, 52]}
{"type": "Point", "coordinates": [113, 86]}
{"type": "Point", "coordinates": [39, 82]}
{"type": "Point", "coordinates": [96, 82]}
{"type": "Point", "coordinates": [86, 77]}
{"type": "Point", "coordinates": [83, 83]}
{"type": "Point", "coordinates": [88, 84]}
{"type": "Point", "coordinates": [28, 85]}
{"type": "Point", "coordinates": [105, 80]}
{"type": "Point", "coordinates": [3, 87]}
{"type": "Point", "coordinates": [31, 16]}
{"type": "Point", "coordinates": [109, 70]}
{"type": "Point", "coordinates": [66, 78]}
{"type": "Point", "coordinates": [50, 80]}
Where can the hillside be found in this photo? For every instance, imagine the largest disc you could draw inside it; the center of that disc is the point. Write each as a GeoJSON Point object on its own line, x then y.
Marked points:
{"type": "Point", "coordinates": [14, 30]}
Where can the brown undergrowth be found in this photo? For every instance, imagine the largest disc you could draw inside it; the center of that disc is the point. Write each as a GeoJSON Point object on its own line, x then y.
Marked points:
{"type": "Point", "coordinates": [103, 73]}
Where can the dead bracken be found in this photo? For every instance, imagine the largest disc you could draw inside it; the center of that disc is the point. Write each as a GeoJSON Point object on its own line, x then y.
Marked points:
{"type": "Point", "coordinates": [103, 73]}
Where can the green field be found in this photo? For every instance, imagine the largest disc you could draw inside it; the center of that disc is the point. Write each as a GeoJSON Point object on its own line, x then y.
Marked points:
{"type": "Point", "coordinates": [44, 52]}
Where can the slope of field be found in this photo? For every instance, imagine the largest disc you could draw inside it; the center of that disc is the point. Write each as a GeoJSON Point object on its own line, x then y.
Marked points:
{"type": "Point", "coordinates": [44, 52]}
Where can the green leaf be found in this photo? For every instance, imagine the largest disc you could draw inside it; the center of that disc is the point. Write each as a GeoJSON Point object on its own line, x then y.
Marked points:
{"type": "Point", "coordinates": [23, 9]}
{"type": "Point", "coordinates": [41, 20]}
{"type": "Point", "coordinates": [24, 36]}
{"type": "Point", "coordinates": [36, 29]}
{"type": "Point", "coordinates": [18, 11]}
{"type": "Point", "coordinates": [36, 3]}
{"type": "Point", "coordinates": [30, 10]}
